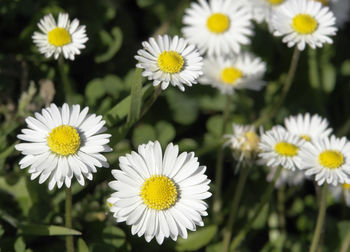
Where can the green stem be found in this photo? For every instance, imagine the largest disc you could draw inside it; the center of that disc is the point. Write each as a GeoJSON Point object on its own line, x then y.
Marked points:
{"type": "Point", "coordinates": [264, 199]}
{"type": "Point", "coordinates": [281, 209]}
{"type": "Point", "coordinates": [66, 87]}
{"type": "Point", "coordinates": [69, 238]}
{"type": "Point", "coordinates": [236, 199]}
{"type": "Point", "coordinates": [219, 163]}
{"type": "Point", "coordinates": [151, 100]}
{"type": "Point", "coordinates": [320, 219]}
{"type": "Point", "coordinates": [287, 84]}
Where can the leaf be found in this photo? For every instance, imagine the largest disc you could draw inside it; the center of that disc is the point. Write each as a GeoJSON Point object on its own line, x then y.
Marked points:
{"type": "Point", "coordinates": [185, 109]}
{"type": "Point", "coordinates": [113, 236]}
{"type": "Point", "coordinates": [197, 240]}
{"type": "Point", "coordinates": [2, 231]}
{"type": "Point", "coordinates": [19, 245]}
{"type": "Point", "coordinates": [343, 229]}
{"type": "Point", "coordinates": [121, 110]}
{"type": "Point", "coordinates": [82, 247]}
{"type": "Point", "coordinates": [216, 247]}
{"type": "Point", "coordinates": [328, 77]}
{"type": "Point", "coordinates": [46, 230]}
{"type": "Point", "coordinates": [113, 42]}
{"type": "Point", "coordinates": [214, 125]}
{"type": "Point", "coordinates": [165, 132]}
{"type": "Point", "coordinates": [136, 97]}
{"type": "Point", "coordinates": [142, 134]}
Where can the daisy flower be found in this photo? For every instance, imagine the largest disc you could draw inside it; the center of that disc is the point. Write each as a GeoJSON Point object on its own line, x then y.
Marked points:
{"type": "Point", "coordinates": [233, 72]}
{"type": "Point", "coordinates": [279, 147]}
{"type": "Point", "coordinates": [244, 141]}
{"type": "Point", "coordinates": [307, 127]}
{"type": "Point", "coordinates": [159, 196]}
{"type": "Point", "coordinates": [262, 9]}
{"type": "Point", "coordinates": [302, 22]}
{"type": "Point", "coordinates": [328, 159]}
{"type": "Point", "coordinates": [62, 143]}
{"type": "Point", "coordinates": [218, 27]}
{"type": "Point", "coordinates": [286, 177]}
{"type": "Point", "coordinates": [341, 190]}
{"type": "Point", "coordinates": [167, 60]}
{"type": "Point", "coordinates": [62, 37]}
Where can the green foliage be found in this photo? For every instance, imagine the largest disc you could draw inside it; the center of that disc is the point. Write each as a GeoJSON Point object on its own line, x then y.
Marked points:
{"type": "Point", "coordinates": [197, 240]}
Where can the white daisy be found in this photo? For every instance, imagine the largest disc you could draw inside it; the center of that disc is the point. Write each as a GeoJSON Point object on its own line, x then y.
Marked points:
{"type": "Point", "coordinates": [218, 27]}
{"type": "Point", "coordinates": [279, 147]}
{"type": "Point", "coordinates": [328, 159]}
{"type": "Point", "coordinates": [302, 22]}
{"type": "Point", "coordinates": [62, 142]}
{"type": "Point", "coordinates": [286, 177]}
{"type": "Point", "coordinates": [233, 72]}
{"type": "Point", "coordinates": [62, 37]}
{"type": "Point", "coordinates": [244, 141]}
{"type": "Point", "coordinates": [341, 190]}
{"type": "Point", "coordinates": [159, 196]}
{"type": "Point", "coordinates": [308, 127]}
{"type": "Point", "coordinates": [340, 8]}
{"type": "Point", "coordinates": [167, 60]}
{"type": "Point", "coordinates": [262, 9]}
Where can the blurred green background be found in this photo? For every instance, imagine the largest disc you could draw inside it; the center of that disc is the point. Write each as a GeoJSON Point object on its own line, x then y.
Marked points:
{"type": "Point", "coordinates": [102, 77]}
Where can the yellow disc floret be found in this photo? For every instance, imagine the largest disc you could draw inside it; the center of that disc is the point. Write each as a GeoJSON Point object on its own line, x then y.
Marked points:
{"type": "Point", "coordinates": [170, 62]}
{"type": "Point", "coordinates": [64, 140]}
{"type": "Point", "coordinates": [346, 186]}
{"type": "Point", "coordinates": [324, 2]}
{"type": "Point", "coordinates": [286, 149]}
{"type": "Point", "coordinates": [306, 137]}
{"type": "Point", "coordinates": [59, 37]}
{"type": "Point", "coordinates": [304, 24]}
{"type": "Point", "coordinates": [331, 159]}
{"type": "Point", "coordinates": [230, 75]}
{"type": "Point", "coordinates": [158, 192]}
{"type": "Point", "coordinates": [218, 23]}
{"type": "Point", "coordinates": [275, 2]}
{"type": "Point", "coordinates": [251, 141]}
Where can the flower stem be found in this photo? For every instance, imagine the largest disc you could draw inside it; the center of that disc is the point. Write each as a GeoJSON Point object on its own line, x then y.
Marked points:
{"type": "Point", "coordinates": [320, 219]}
{"type": "Point", "coordinates": [287, 84]}
{"type": "Point", "coordinates": [264, 199]}
{"type": "Point", "coordinates": [219, 163]}
{"type": "Point", "coordinates": [151, 100]}
{"type": "Point", "coordinates": [69, 238]}
{"type": "Point", "coordinates": [346, 243]}
{"type": "Point", "coordinates": [236, 199]}
{"type": "Point", "coordinates": [66, 87]}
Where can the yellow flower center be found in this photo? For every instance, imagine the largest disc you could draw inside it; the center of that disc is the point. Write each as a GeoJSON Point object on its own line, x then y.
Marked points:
{"type": "Point", "coordinates": [304, 24]}
{"type": "Point", "coordinates": [275, 2]}
{"type": "Point", "coordinates": [331, 159]}
{"type": "Point", "coordinates": [170, 62]}
{"type": "Point", "coordinates": [324, 2]}
{"type": "Point", "coordinates": [64, 140]}
{"type": "Point", "coordinates": [158, 192]}
{"type": "Point", "coordinates": [251, 141]}
{"type": "Point", "coordinates": [306, 137]}
{"type": "Point", "coordinates": [59, 37]}
{"type": "Point", "coordinates": [218, 23]}
{"type": "Point", "coordinates": [230, 75]}
{"type": "Point", "coordinates": [346, 186]}
{"type": "Point", "coordinates": [286, 149]}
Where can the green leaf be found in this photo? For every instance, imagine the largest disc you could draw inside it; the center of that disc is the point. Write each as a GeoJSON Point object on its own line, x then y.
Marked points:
{"type": "Point", "coordinates": [46, 230]}
{"type": "Point", "coordinates": [142, 134]}
{"type": "Point", "coordinates": [113, 236]}
{"type": "Point", "coordinates": [165, 132]}
{"type": "Point", "coordinates": [82, 247]}
{"type": "Point", "coordinates": [185, 108]}
{"type": "Point", "coordinates": [197, 240]}
{"type": "Point", "coordinates": [187, 144]}
{"type": "Point", "coordinates": [343, 229]}
{"type": "Point", "coordinates": [216, 247]}
{"type": "Point", "coordinates": [121, 110]}
{"type": "Point", "coordinates": [214, 125]}
{"type": "Point", "coordinates": [328, 77]}
{"type": "Point", "coordinates": [113, 42]}
{"type": "Point", "coordinates": [136, 97]}
{"type": "Point", "coordinates": [2, 231]}
{"type": "Point", "coordinates": [20, 246]}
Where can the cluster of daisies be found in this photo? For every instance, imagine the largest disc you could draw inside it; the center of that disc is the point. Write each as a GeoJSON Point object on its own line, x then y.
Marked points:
{"type": "Point", "coordinates": [303, 147]}
{"type": "Point", "coordinates": [162, 195]}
